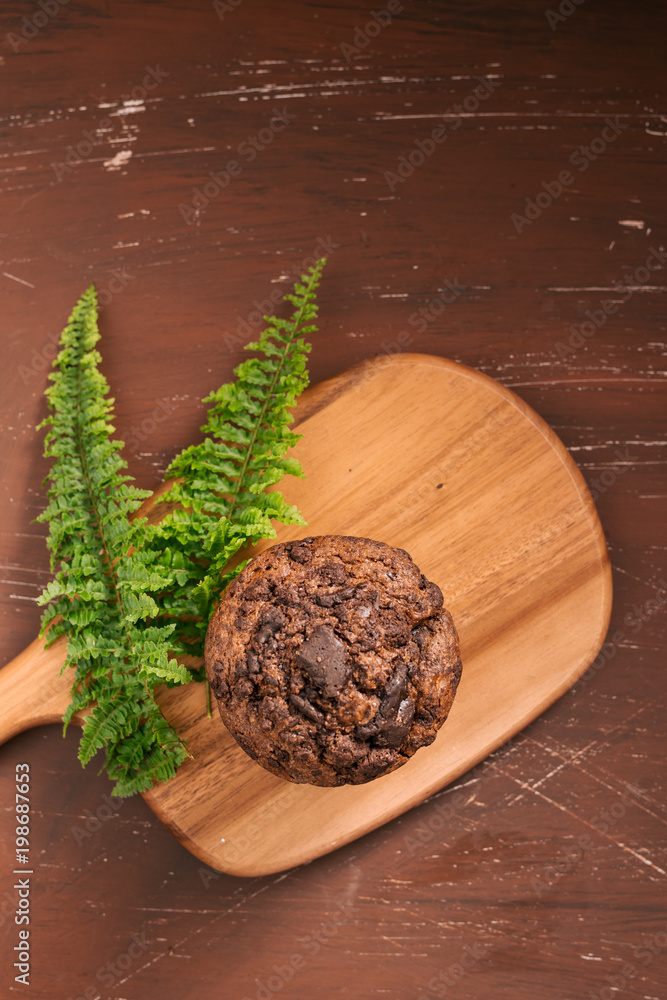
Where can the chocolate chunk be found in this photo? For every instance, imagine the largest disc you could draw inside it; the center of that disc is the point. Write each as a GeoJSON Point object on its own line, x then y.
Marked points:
{"type": "Point", "coordinates": [394, 730]}
{"type": "Point", "coordinates": [306, 708]}
{"type": "Point", "coordinates": [387, 724]}
{"type": "Point", "coordinates": [324, 657]}
{"type": "Point", "coordinates": [394, 691]}
{"type": "Point", "coordinates": [325, 600]}
{"type": "Point", "coordinates": [220, 689]}
{"type": "Point", "coordinates": [395, 684]}
{"type": "Point", "coordinates": [377, 762]}
{"type": "Point", "coordinates": [341, 614]}
{"type": "Point", "coordinates": [300, 553]}
{"type": "Point", "coordinates": [258, 591]}
{"type": "Point", "coordinates": [270, 621]}
{"type": "Point", "coordinates": [371, 728]}
{"type": "Point", "coordinates": [273, 617]}
{"type": "Point", "coordinates": [264, 633]}
{"type": "Point", "coordinates": [335, 572]}
{"type": "Point", "coordinates": [252, 663]}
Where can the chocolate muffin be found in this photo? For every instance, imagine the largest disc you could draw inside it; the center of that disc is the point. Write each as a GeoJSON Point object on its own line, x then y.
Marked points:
{"type": "Point", "coordinates": [332, 659]}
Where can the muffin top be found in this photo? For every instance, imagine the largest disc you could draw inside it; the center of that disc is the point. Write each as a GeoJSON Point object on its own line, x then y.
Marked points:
{"type": "Point", "coordinates": [332, 659]}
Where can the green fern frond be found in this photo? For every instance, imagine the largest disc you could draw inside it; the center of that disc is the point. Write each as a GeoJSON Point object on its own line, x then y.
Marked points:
{"type": "Point", "coordinates": [222, 484]}
{"type": "Point", "coordinates": [101, 595]}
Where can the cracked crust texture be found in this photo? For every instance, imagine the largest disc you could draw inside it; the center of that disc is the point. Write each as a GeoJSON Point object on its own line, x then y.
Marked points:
{"type": "Point", "coordinates": [332, 659]}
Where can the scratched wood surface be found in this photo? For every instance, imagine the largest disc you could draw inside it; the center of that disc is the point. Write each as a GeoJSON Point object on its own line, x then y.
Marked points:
{"type": "Point", "coordinates": [541, 874]}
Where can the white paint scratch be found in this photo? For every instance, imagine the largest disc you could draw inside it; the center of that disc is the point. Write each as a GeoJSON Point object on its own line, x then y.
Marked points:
{"type": "Point", "coordinates": [119, 160]}
{"type": "Point", "coordinates": [128, 108]}
{"type": "Point", "coordinates": [20, 280]}
{"type": "Point", "coordinates": [610, 288]}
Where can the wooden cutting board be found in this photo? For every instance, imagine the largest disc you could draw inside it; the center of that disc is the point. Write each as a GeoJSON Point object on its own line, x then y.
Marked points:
{"type": "Point", "coordinates": [444, 462]}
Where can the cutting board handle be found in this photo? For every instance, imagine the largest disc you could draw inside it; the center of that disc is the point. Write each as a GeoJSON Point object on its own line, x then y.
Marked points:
{"type": "Point", "coordinates": [32, 692]}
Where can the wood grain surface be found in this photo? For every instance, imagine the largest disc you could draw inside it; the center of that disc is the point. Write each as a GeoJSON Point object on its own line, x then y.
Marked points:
{"type": "Point", "coordinates": [540, 873]}
{"type": "Point", "coordinates": [514, 540]}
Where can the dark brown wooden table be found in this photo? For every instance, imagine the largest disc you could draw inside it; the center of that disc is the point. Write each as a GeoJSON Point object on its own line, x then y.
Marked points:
{"type": "Point", "coordinates": [488, 182]}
